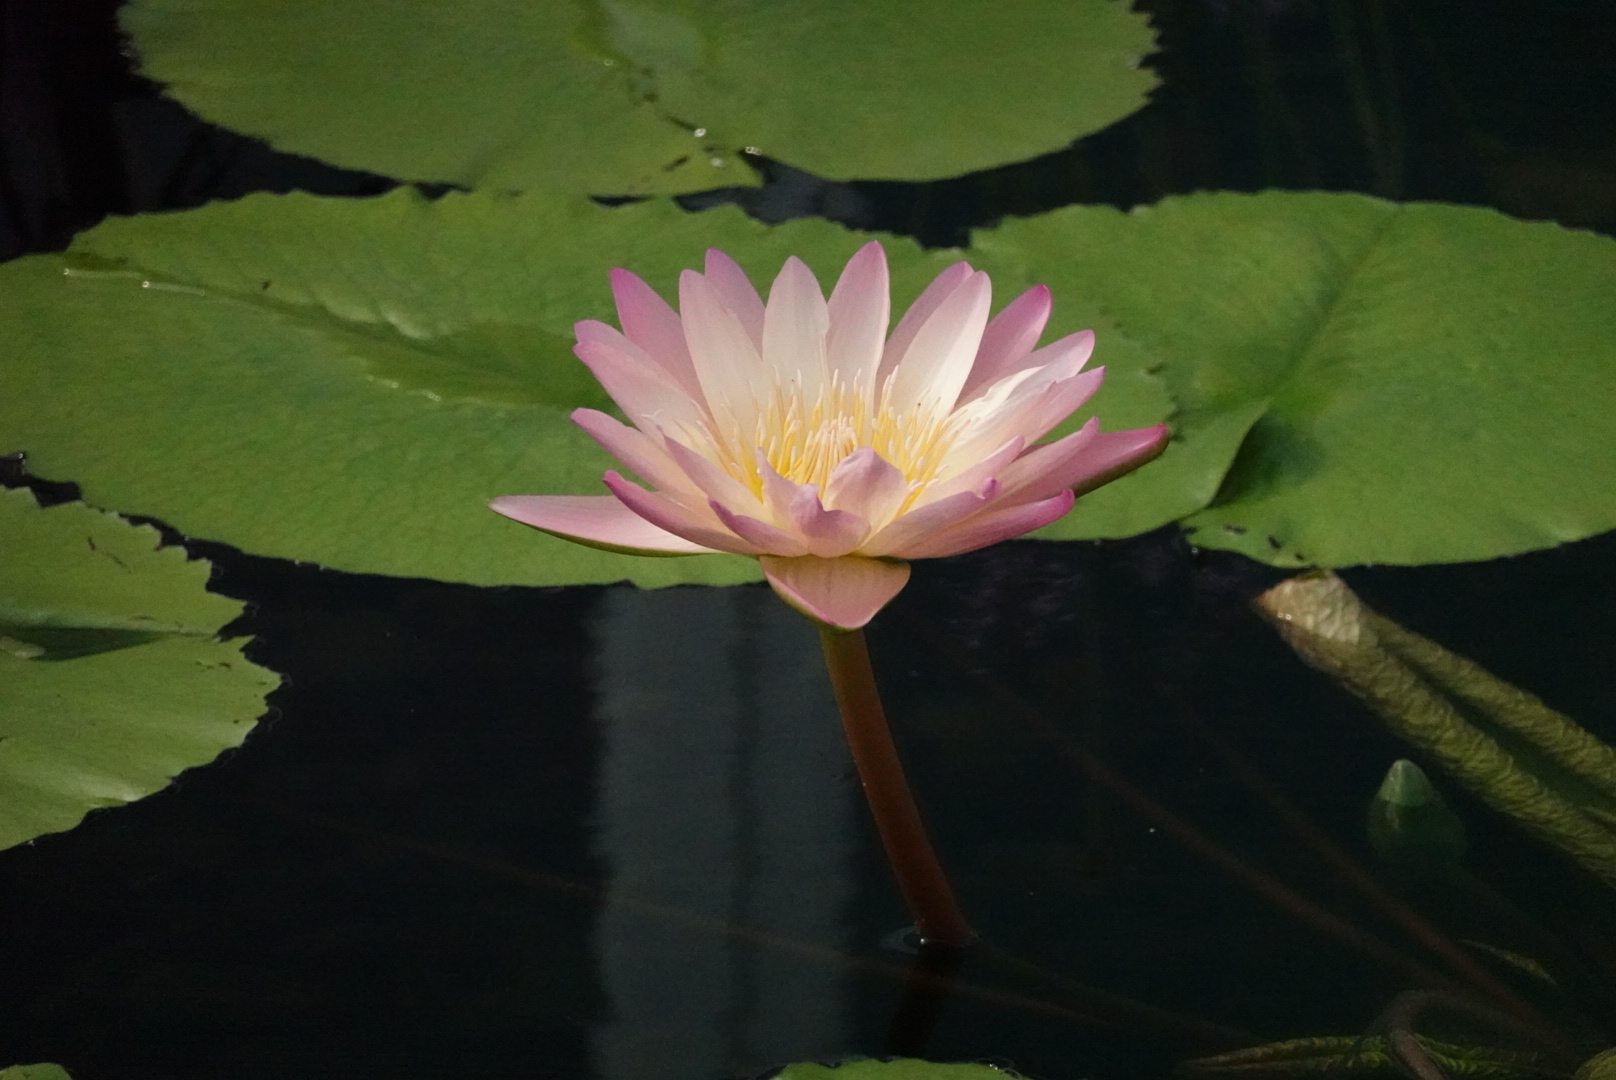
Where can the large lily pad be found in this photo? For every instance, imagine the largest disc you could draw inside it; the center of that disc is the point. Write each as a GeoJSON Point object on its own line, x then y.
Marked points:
{"type": "Point", "coordinates": [111, 677]}
{"type": "Point", "coordinates": [1358, 381]}
{"type": "Point", "coordinates": [34, 1072]}
{"type": "Point", "coordinates": [349, 381]}
{"type": "Point", "coordinates": [648, 96]}
{"type": "Point", "coordinates": [895, 1069]}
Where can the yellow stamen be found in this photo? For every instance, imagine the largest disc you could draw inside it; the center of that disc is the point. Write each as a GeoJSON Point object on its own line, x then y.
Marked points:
{"type": "Point", "coordinates": [804, 441]}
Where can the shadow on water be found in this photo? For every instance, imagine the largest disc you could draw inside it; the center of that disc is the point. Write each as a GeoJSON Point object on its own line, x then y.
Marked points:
{"type": "Point", "coordinates": [603, 832]}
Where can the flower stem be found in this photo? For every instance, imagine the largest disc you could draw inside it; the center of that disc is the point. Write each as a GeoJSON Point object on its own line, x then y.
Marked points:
{"type": "Point", "coordinates": [897, 819]}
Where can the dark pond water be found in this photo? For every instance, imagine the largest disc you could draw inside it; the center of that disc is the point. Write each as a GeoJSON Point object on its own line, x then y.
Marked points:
{"type": "Point", "coordinates": [596, 832]}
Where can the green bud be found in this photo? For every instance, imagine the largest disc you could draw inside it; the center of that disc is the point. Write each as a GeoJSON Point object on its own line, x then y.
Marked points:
{"type": "Point", "coordinates": [1410, 824]}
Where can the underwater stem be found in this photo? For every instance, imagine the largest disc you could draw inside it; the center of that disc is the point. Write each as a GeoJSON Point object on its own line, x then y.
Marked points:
{"type": "Point", "coordinates": [909, 851]}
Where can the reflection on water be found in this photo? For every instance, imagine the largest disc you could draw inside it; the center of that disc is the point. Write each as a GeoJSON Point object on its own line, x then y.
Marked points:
{"type": "Point", "coordinates": [725, 792]}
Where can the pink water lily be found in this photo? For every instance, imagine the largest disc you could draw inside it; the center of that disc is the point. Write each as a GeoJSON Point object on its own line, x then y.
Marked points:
{"type": "Point", "coordinates": [799, 433]}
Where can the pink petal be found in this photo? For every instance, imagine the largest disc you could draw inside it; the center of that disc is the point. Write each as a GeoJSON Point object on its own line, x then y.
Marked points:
{"type": "Point", "coordinates": [941, 288]}
{"type": "Point", "coordinates": [867, 484]}
{"type": "Point", "coordinates": [735, 289]}
{"type": "Point", "coordinates": [991, 526]}
{"type": "Point", "coordinates": [727, 363]}
{"type": "Point", "coordinates": [1054, 362]}
{"type": "Point", "coordinates": [860, 308]}
{"type": "Point", "coordinates": [912, 529]}
{"type": "Point", "coordinates": [844, 593]}
{"type": "Point", "coordinates": [1029, 410]}
{"type": "Point", "coordinates": [829, 533]}
{"type": "Point", "coordinates": [636, 450]}
{"type": "Point", "coordinates": [763, 537]}
{"type": "Point", "coordinates": [931, 371]}
{"type": "Point", "coordinates": [1010, 335]}
{"type": "Point", "coordinates": [651, 324]}
{"type": "Point", "coordinates": [598, 521]}
{"type": "Point", "coordinates": [794, 327]}
{"type": "Point", "coordinates": [778, 493]}
{"type": "Point", "coordinates": [973, 477]}
{"type": "Point", "coordinates": [1082, 461]}
{"type": "Point", "coordinates": [669, 516]}
{"type": "Point", "coordinates": [713, 481]}
{"type": "Point", "coordinates": [1120, 453]}
{"type": "Point", "coordinates": [646, 392]}
{"type": "Point", "coordinates": [1060, 401]}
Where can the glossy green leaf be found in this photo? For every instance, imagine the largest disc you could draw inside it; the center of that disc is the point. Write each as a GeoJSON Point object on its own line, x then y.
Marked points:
{"type": "Point", "coordinates": [349, 382]}
{"type": "Point", "coordinates": [650, 96]}
{"type": "Point", "coordinates": [34, 1072]}
{"type": "Point", "coordinates": [1357, 381]}
{"type": "Point", "coordinates": [111, 677]}
{"type": "Point", "coordinates": [896, 1069]}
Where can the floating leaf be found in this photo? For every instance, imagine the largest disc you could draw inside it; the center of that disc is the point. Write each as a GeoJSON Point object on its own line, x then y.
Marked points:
{"type": "Point", "coordinates": [34, 1072]}
{"type": "Point", "coordinates": [111, 678]}
{"type": "Point", "coordinates": [896, 1069]}
{"type": "Point", "coordinates": [650, 96]}
{"type": "Point", "coordinates": [1357, 380]}
{"type": "Point", "coordinates": [349, 381]}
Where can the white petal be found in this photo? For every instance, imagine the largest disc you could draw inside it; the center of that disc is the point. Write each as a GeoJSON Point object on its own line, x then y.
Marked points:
{"type": "Point", "coordinates": [931, 371]}
{"type": "Point", "coordinates": [942, 286]}
{"type": "Point", "coordinates": [735, 289]}
{"type": "Point", "coordinates": [860, 308]}
{"type": "Point", "coordinates": [727, 363]}
{"type": "Point", "coordinates": [794, 326]}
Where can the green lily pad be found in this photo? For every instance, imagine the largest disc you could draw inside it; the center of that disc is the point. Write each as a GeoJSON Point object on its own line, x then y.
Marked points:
{"type": "Point", "coordinates": [896, 1069]}
{"type": "Point", "coordinates": [650, 96]}
{"type": "Point", "coordinates": [349, 382]}
{"type": "Point", "coordinates": [34, 1072]}
{"type": "Point", "coordinates": [111, 677]}
{"type": "Point", "coordinates": [1357, 381]}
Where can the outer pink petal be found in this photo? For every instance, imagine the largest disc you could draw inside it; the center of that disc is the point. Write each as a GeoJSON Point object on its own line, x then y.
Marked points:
{"type": "Point", "coordinates": [844, 593]}
{"type": "Point", "coordinates": [913, 528]}
{"type": "Point", "coordinates": [713, 481]}
{"type": "Point", "coordinates": [991, 526]}
{"type": "Point", "coordinates": [726, 361]}
{"type": "Point", "coordinates": [931, 371]}
{"type": "Point", "coordinates": [778, 492]}
{"type": "Point", "coordinates": [1030, 411]}
{"type": "Point", "coordinates": [794, 327]}
{"type": "Point", "coordinates": [1060, 359]}
{"type": "Point", "coordinates": [651, 324]}
{"type": "Point", "coordinates": [636, 450]}
{"type": "Point", "coordinates": [867, 484]}
{"type": "Point", "coordinates": [765, 538]}
{"type": "Point", "coordinates": [598, 521]}
{"type": "Point", "coordinates": [828, 533]}
{"type": "Point", "coordinates": [1057, 403]}
{"type": "Point", "coordinates": [669, 516]}
{"type": "Point", "coordinates": [647, 393]}
{"type": "Point", "coordinates": [940, 289]}
{"type": "Point", "coordinates": [1082, 461]}
{"type": "Point", "coordinates": [735, 289]}
{"type": "Point", "coordinates": [860, 309]}
{"type": "Point", "coordinates": [974, 476]}
{"type": "Point", "coordinates": [1010, 335]}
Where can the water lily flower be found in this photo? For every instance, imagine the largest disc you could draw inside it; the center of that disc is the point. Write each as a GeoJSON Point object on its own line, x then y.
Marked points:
{"type": "Point", "coordinates": [799, 433]}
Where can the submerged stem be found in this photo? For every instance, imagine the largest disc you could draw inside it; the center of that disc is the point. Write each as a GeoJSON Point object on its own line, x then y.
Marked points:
{"type": "Point", "coordinates": [909, 851]}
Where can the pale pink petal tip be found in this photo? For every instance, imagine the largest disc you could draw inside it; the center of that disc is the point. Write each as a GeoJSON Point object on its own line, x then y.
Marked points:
{"type": "Point", "coordinates": [598, 521]}
{"type": "Point", "coordinates": [842, 593]}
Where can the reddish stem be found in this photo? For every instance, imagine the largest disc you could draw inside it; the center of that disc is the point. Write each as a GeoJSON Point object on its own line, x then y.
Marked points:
{"type": "Point", "coordinates": [914, 863]}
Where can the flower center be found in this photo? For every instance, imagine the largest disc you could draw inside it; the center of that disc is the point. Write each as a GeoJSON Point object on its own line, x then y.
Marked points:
{"type": "Point", "coordinates": [804, 440]}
